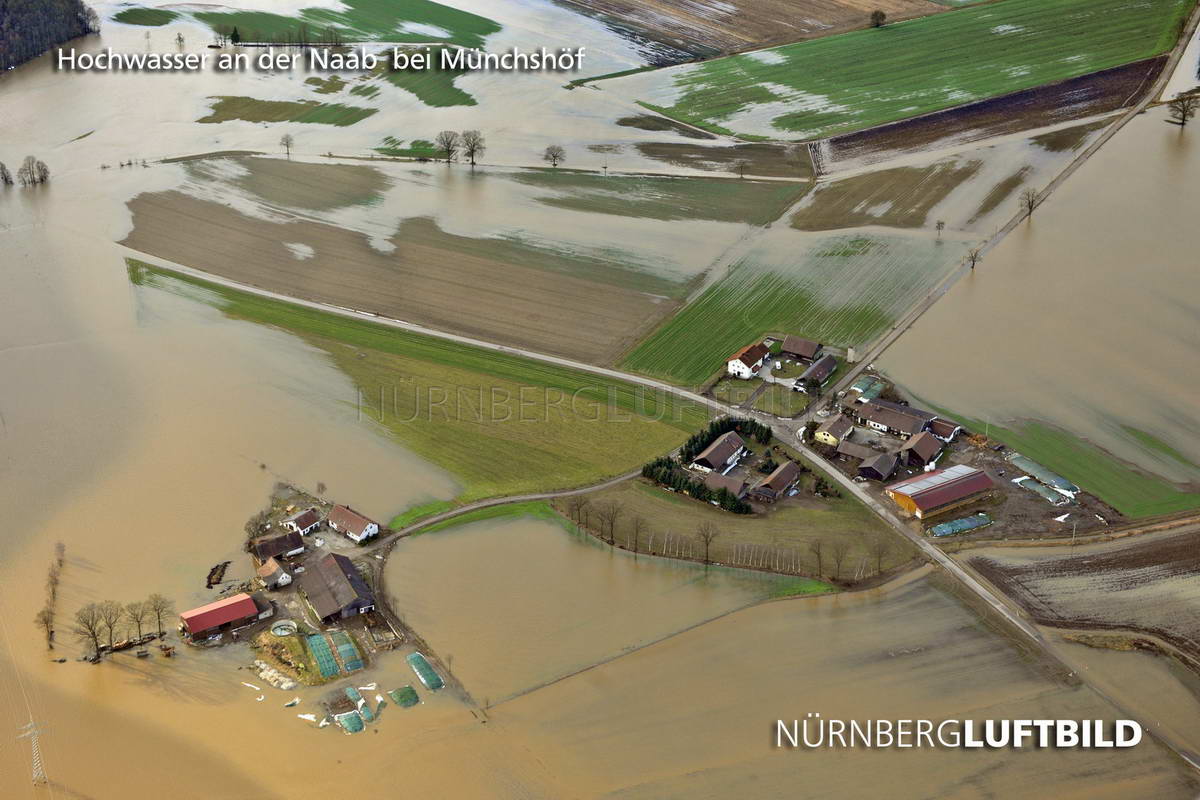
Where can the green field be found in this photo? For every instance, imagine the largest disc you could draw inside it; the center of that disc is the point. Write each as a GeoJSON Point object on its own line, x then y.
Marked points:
{"type": "Point", "coordinates": [152, 17]}
{"type": "Point", "coordinates": [865, 78]}
{"type": "Point", "coordinates": [501, 424]}
{"type": "Point", "coordinates": [417, 148]}
{"type": "Point", "coordinates": [666, 198]}
{"type": "Point", "coordinates": [843, 289]}
{"type": "Point", "coordinates": [363, 20]}
{"type": "Point", "coordinates": [780, 401]}
{"type": "Point", "coordinates": [250, 109]}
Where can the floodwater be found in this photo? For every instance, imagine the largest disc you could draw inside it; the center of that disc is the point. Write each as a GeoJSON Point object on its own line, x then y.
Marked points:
{"type": "Point", "coordinates": [519, 603]}
{"type": "Point", "coordinates": [142, 429]}
{"type": "Point", "coordinates": [1084, 317]}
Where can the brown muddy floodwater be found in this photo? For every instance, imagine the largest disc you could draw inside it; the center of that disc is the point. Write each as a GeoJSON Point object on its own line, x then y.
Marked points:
{"type": "Point", "coordinates": [1085, 317]}
{"type": "Point", "coordinates": [142, 429]}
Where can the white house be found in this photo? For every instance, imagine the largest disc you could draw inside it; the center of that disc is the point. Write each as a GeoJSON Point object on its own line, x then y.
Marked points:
{"type": "Point", "coordinates": [352, 524]}
{"type": "Point", "coordinates": [746, 363]}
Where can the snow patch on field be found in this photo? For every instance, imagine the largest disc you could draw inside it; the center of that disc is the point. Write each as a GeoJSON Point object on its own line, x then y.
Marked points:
{"type": "Point", "coordinates": [424, 29]}
{"type": "Point", "coordinates": [767, 56]}
{"type": "Point", "coordinates": [760, 118]}
{"type": "Point", "coordinates": [299, 250]}
{"type": "Point", "coordinates": [1016, 72]}
{"type": "Point", "coordinates": [1001, 30]}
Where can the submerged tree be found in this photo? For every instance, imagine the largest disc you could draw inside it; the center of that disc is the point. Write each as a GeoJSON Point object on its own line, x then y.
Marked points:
{"type": "Point", "coordinates": [740, 166]}
{"type": "Point", "coordinates": [707, 534]}
{"type": "Point", "coordinates": [554, 155]}
{"type": "Point", "coordinates": [159, 608]}
{"type": "Point", "coordinates": [448, 143]}
{"type": "Point", "coordinates": [6, 178]}
{"type": "Point", "coordinates": [973, 256]}
{"type": "Point", "coordinates": [44, 619]}
{"type": "Point", "coordinates": [1183, 108]}
{"type": "Point", "coordinates": [89, 626]}
{"type": "Point", "coordinates": [473, 145]}
{"type": "Point", "coordinates": [111, 613]}
{"type": "Point", "coordinates": [1029, 201]}
{"type": "Point", "coordinates": [286, 142]}
{"type": "Point", "coordinates": [878, 19]}
{"type": "Point", "coordinates": [136, 614]}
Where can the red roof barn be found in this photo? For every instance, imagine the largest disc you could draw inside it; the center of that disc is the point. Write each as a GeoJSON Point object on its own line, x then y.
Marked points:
{"type": "Point", "coordinates": [220, 615]}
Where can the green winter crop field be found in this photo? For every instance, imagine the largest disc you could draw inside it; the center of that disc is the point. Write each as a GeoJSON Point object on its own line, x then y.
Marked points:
{"type": "Point", "coordinates": [841, 289]}
{"type": "Point", "coordinates": [856, 80]}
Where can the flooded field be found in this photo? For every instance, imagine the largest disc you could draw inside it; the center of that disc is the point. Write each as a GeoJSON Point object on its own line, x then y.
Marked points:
{"type": "Point", "coordinates": [1088, 299]}
{"type": "Point", "coordinates": [573, 603]}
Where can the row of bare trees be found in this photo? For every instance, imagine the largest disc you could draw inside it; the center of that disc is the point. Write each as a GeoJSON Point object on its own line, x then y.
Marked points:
{"type": "Point", "coordinates": [100, 624]}
{"type": "Point", "coordinates": [471, 145]}
{"type": "Point", "coordinates": [32, 171]}
{"type": "Point", "coordinates": [602, 518]}
{"type": "Point", "coordinates": [44, 618]}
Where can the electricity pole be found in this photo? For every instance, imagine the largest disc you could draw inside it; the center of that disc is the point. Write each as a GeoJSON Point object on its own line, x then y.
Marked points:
{"type": "Point", "coordinates": [31, 732]}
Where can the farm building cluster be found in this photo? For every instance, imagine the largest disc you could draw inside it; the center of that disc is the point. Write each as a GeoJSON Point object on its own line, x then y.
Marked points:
{"type": "Point", "coordinates": [801, 365]}
{"type": "Point", "coordinates": [721, 465]}
{"type": "Point", "coordinates": [931, 470]}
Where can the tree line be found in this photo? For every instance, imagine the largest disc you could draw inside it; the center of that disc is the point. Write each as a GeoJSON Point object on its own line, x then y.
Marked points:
{"type": "Point", "coordinates": [99, 625]}
{"type": "Point", "coordinates": [747, 427]}
{"type": "Point", "coordinates": [44, 618]}
{"type": "Point", "coordinates": [31, 172]}
{"type": "Point", "coordinates": [666, 472]}
{"type": "Point", "coordinates": [29, 28]}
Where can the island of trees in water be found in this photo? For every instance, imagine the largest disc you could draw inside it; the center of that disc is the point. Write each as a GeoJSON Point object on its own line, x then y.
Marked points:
{"type": "Point", "coordinates": [29, 28]}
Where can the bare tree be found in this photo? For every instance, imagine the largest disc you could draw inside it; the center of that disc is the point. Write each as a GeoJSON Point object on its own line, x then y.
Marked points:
{"type": "Point", "coordinates": [840, 549]}
{"type": "Point", "coordinates": [111, 614]}
{"type": "Point", "coordinates": [880, 547]}
{"type": "Point", "coordinates": [878, 19]}
{"type": "Point", "coordinates": [637, 526]}
{"type": "Point", "coordinates": [286, 141]}
{"type": "Point", "coordinates": [609, 513]}
{"type": "Point", "coordinates": [1029, 201]}
{"type": "Point", "coordinates": [554, 155]}
{"type": "Point", "coordinates": [136, 614]}
{"type": "Point", "coordinates": [473, 145]}
{"type": "Point", "coordinates": [27, 172]}
{"type": "Point", "coordinates": [1183, 108]}
{"type": "Point", "coordinates": [740, 166]}
{"type": "Point", "coordinates": [160, 608]}
{"type": "Point", "coordinates": [254, 525]}
{"type": "Point", "coordinates": [575, 504]}
{"type": "Point", "coordinates": [815, 547]}
{"type": "Point", "coordinates": [40, 171]}
{"type": "Point", "coordinates": [707, 533]}
{"type": "Point", "coordinates": [89, 626]}
{"type": "Point", "coordinates": [44, 619]}
{"type": "Point", "coordinates": [973, 257]}
{"type": "Point", "coordinates": [448, 144]}
{"type": "Point", "coordinates": [6, 178]}
{"type": "Point", "coordinates": [179, 40]}
{"type": "Point", "coordinates": [940, 226]}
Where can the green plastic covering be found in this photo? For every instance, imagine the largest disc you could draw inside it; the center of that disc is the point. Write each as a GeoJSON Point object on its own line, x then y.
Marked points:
{"type": "Point", "coordinates": [405, 698]}
{"type": "Point", "coordinates": [357, 699]}
{"type": "Point", "coordinates": [971, 523]}
{"type": "Point", "coordinates": [351, 660]}
{"type": "Point", "coordinates": [1052, 497]}
{"type": "Point", "coordinates": [425, 672]}
{"type": "Point", "coordinates": [1051, 479]}
{"type": "Point", "coordinates": [323, 655]}
{"type": "Point", "coordinates": [350, 721]}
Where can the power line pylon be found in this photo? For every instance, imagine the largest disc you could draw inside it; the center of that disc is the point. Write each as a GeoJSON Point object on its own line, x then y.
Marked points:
{"type": "Point", "coordinates": [31, 731]}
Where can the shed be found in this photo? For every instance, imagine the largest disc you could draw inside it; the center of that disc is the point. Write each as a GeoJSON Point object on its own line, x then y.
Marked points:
{"type": "Point", "coordinates": [305, 522]}
{"type": "Point", "coordinates": [804, 349]}
{"type": "Point", "coordinates": [921, 449]}
{"type": "Point", "coordinates": [273, 575]}
{"type": "Point", "coordinates": [820, 371]}
{"type": "Point", "coordinates": [735, 486]}
{"type": "Point", "coordinates": [776, 485]}
{"type": "Point", "coordinates": [879, 467]}
{"type": "Point", "coordinates": [854, 450]}
{"type": "Point", "coordinates": [285, 545]}
{"type": "Point", "coordinates": [944, 429]}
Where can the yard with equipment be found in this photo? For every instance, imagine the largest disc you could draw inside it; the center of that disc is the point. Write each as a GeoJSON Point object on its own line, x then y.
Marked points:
{"type": "Point", "coordinates": [856, 80]}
